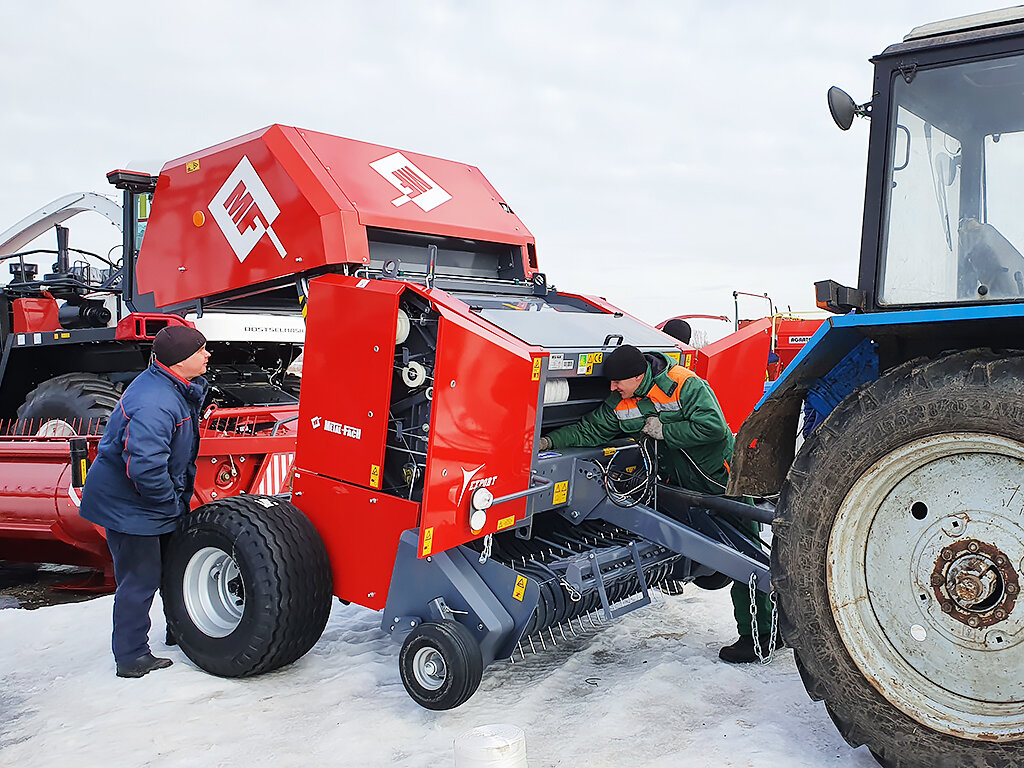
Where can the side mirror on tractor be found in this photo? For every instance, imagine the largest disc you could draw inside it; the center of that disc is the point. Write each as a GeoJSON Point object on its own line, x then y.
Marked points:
{"type": "Point", "coordinates": [844, 108]}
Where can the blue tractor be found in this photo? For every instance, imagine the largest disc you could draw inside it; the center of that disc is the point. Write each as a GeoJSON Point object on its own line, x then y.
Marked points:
{"type": "Point", "coordinates": [898, 550]}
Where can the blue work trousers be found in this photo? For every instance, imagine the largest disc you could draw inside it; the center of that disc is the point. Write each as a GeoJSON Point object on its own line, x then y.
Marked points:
{"type": "Point", "coordinates": [137, 567]}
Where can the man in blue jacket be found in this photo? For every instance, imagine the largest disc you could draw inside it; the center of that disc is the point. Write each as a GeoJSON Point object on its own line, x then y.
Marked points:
{"type": "Point", "coordinates": [140, 485]}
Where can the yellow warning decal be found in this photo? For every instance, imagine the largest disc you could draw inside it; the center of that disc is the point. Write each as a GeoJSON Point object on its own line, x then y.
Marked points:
{"type": "Point", "coordinates": [505, 522]}
{"type": "Point", "coordinates": [520, 591]}
{"type": "Point", "coordinates": [536, 368]}
{"type": "Point", "coordinates": [192, 165]}
{"type": "Point", "coordinates": [674, 356]}
{"type": "Point", "coordinates": [428, 541]}
{"type": "Point", "coordinates": [598, 357]}
{"type": "Point", "coordinates": [610, 451]}
{"type": "Point", "coordinates": [375, 476]}
{"type": "Point", "coordinates": [561, 492]}
{"type": "Point", "coordinates": [630, 470]}
{"type": "Point", "coordinates": [688, 361]}
{"type": "Point", "coordinates": [65, 335]}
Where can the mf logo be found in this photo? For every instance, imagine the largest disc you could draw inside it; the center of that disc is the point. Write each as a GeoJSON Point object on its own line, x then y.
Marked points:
{"type": "Point", "coordinates": [413, 183]}
{"type": "Point", "coordinates": [245, 211]}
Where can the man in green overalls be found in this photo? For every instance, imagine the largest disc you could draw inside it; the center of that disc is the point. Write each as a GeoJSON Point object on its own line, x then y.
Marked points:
{"type": "Point", "coordinates": [652, 395]}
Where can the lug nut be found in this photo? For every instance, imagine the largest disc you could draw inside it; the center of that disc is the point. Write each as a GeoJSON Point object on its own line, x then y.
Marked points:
{"type": "Point", "coordinates": [937, 580]}
{"type": "Point", "coordinates": [947, 555]}
{"type": "Point", "coordinates": [1000, 613]}
{"type": "Point", "coordinates": [973, 621]}
{"type": "Point", "coordinates": [1012, 589]}
{"type": "Point", "coordinates": [972, 546]}
{"type": "Point", "coordinates": [1000, 562]}
{"type": "Point", "coordinates": [947, 607]}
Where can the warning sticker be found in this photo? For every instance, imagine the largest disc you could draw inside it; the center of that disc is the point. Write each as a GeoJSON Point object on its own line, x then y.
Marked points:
{"type": "Point", "coordinates": [428, 542]}
{"type": "Point", "coordinates": [561, 492]}
{"type": "Point", "coordinates": [688, 361]}
{"type": "Point", "coordinates": [374, 476]}
{"type": "Point", "coordinates": [520, 591]}
{"type": "Point", "coordinates": [191, 166]}
{"type": "Point", "coordinates": [505, 522]}
{"type": "Point", "coordinates": [536, 368]}
{"type": "Point", "coordinates": [557, 362]}
{"type": "Point", "coordinates": [674, 356]}
{"type": "Point", "coordinates": [586, 363]}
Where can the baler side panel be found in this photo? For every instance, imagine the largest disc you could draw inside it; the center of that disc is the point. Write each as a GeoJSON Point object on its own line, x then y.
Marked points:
{"type": "Point", "coordinates": [735, 367]}
{"type": "Point", "coordinates": [361, 529]}
{"type": "Point", "coordinates": [346, 385]}
{"type": "Point", "coordinates": [482, 430]}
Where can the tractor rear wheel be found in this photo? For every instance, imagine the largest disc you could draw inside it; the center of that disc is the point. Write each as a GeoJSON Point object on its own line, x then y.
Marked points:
{"type": "Point", "coordinates": [247, 586]}
{"type": "Point", "coordinates": [68, 405]}
{"type": "Point", "coordinates": [440, 664]}
{"type": "Point", "coordinates": [897, 559]}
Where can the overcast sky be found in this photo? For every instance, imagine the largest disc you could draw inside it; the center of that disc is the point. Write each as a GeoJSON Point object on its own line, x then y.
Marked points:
{"type": "Point", "coordinates": [663, 154]}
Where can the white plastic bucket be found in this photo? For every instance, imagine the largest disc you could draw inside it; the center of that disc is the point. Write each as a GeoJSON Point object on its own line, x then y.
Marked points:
{"type": "Point", "coordinates": [491, 746]}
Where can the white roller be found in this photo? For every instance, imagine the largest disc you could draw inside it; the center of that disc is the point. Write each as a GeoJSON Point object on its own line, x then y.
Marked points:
{"type": "Point", "coordinates": [413, 374]}
{"type": "Point", "coordinates": [402, 332]}
{"type": "Point", "coordinates": [556, 391]}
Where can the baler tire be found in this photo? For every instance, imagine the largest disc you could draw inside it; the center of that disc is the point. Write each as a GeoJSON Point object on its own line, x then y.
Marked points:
{"type": "Point", "coordinates": [912, 711]}
{"type": "Point", "coordinates": [77, 402]}
{"type": "Point", "coordinates": [278, 601]}
{"type": "Point", "coordinates": [463, 666]}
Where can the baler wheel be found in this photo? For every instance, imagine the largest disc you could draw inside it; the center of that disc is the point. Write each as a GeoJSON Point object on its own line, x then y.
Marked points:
{"type": "Point", "coordinates": [898, 563]}
{"type": "Point", "coordinates": [247, 586]}
{"type": "Point", "coordinates": [68, 405]}
{"type": "Point", "coordinates": [440, 664]}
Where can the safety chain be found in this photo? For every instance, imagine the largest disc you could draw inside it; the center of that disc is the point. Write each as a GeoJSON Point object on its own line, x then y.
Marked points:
{"type": "Point", "coordinates": [763, 657]}
{"type": "Point", "coordinates": [486, 554]}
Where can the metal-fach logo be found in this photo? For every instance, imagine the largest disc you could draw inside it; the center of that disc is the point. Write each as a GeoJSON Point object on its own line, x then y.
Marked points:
{"type": "Point", "coordinates": [245, 211]}
{"type": "Point", "coordinates": [413, 183]}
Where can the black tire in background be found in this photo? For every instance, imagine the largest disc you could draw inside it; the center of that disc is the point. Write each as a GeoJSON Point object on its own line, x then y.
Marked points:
{"type": "Point", "coordinates": [247, 586]}
{"type": "Point", "coordinates": [79, 403]}
{"type": "Point", "coordinates": [939, 417]}
{"type": "Point", "coordinates": [440, 664]}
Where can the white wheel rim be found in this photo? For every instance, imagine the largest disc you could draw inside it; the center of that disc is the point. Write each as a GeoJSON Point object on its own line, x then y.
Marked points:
{"type": "Point", "coordinates": [429, 669]}
{"type": "Point", "coordinates": [213, 592]}
{"type": "Point", "coordinates": [898, 551]}
{"type": "Point", "coordinates": [56, 428]}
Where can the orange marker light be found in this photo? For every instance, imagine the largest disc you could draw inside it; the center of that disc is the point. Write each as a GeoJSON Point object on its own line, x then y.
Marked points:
{"type": "Point", "coordinates": [198, 218]}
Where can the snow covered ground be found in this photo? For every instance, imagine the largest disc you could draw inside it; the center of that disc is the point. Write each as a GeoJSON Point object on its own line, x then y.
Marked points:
{"type": "Point", "coordinates": [645, 690]}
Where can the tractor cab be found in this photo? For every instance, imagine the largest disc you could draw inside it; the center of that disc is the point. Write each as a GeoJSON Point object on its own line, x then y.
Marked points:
{"type": "Point", "coordinates": [946, 156]}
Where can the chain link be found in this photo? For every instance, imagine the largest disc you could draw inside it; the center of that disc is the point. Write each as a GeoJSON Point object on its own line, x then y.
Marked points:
{"type": "Point", "coordinates": [486, 554]}
{"type": "Point", "coordinates": [766, 656]}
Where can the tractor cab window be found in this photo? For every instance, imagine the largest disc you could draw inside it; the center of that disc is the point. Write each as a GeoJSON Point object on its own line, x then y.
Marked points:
{"type": "Point", "coordinates": [955, 175]}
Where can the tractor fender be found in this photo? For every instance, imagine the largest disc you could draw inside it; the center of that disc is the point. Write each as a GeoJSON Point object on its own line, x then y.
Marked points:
{"type": "Point", "coordinates": [845, 353]}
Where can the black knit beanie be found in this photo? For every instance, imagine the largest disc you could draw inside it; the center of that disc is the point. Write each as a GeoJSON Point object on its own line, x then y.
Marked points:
{"type": "Point", "coordinates": [678, 329]}
{"type": "Point", "coordinates": [176, 343]}
{"type": "Point", "coordinates": [624, 363]}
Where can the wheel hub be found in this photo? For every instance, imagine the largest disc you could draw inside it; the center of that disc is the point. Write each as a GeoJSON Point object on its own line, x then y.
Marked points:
{"type": "Point", "coordinates": [213, 591]}
{"type": "Point", "coordinates": [429, 669]}
{"type": "Point", "coordinates": [975, 583]}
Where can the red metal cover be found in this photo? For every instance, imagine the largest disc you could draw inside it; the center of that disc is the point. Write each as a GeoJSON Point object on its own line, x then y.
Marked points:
{"type": "Point", "coordinates": [282, 201]}
{"type": "Point", "coordinates": [360, 529]}
{"type": "Point", "coordinates": [486, 390]}
{"type": "Point", "coordinates": [35, 315]}
{"type": "Point", "coordinates": [346, 377]}
{"type": "Point", "coordinates": [735, 368]}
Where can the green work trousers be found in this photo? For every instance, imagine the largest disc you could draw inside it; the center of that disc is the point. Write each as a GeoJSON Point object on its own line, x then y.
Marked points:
{"type": "Point", "coordinates": [741, 596]}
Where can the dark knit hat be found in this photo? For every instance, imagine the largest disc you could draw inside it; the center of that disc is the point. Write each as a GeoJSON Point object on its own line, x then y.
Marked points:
{"type": "Point", "coordinates": [176, 343]}
{"type": "Point", "coordinates": [678, 329]}
{"type": "Point", "coordinates": [624, 363]}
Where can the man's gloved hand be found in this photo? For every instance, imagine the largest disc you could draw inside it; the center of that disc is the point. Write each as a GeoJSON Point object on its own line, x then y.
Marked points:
{"type": "Point", "coordinates": [545, 443]}
{"type": "Point", "coordinates": [652, 428]}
